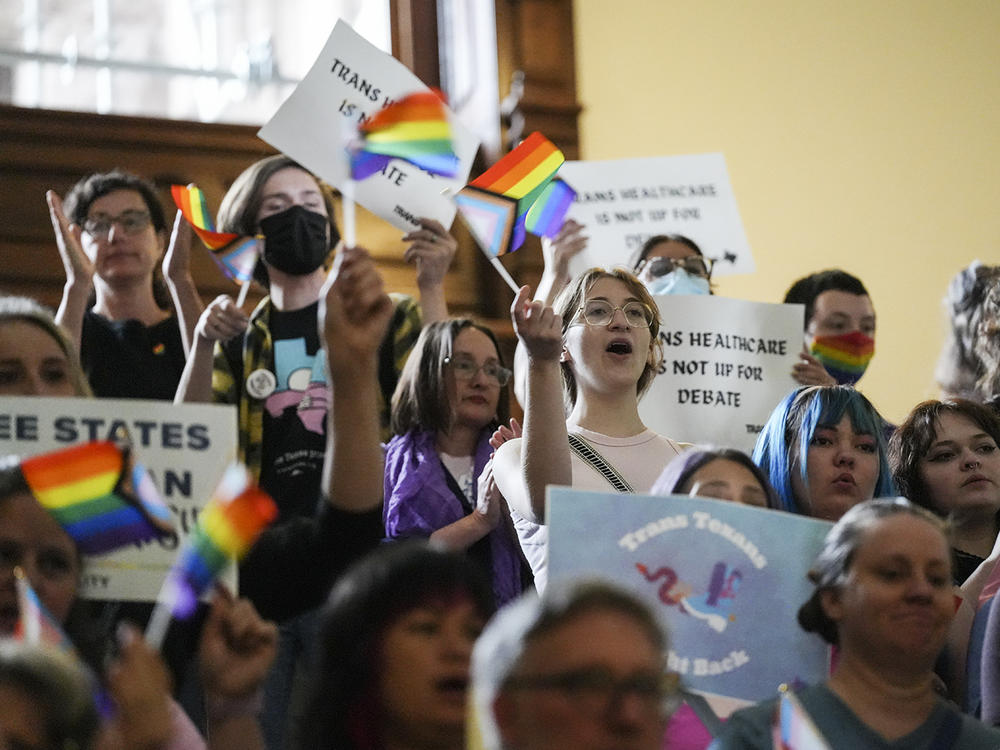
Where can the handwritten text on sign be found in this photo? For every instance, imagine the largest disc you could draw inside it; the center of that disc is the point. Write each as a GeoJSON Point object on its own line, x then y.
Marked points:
{"type": "Point", "coordinates": [350, 81]}
{"type": "Point", "coordinates": [624, 202]}
{"type": "Point", "coordinates": [727, 363]}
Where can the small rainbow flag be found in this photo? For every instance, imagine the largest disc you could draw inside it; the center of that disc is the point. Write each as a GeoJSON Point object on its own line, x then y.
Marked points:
{"type": "Point", "coordinates": [793, 729]}
{"type": "Point", "coordinates": [35, 625]}
{"type": "Point", "coordinates": [99, 495]}
{"type": "Point", "coordinates": [545, 217]}
{"type": "Point", "coordinates": [415, 129]}
{"type": "Point", "coordinates": [495, 205]}
{"type": "Point", "coordinates": [845, 357]}
{"type": "Point", "coordinates": [227, 527]}
{"type": "Point", "coordinates": [236, 255]}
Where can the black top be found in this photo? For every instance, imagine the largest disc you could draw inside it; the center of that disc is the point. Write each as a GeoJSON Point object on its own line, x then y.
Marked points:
{"type": "Point", "coordinates": [125, 359]}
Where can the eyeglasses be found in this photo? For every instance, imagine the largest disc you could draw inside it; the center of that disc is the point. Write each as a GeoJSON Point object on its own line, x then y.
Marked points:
{"type": "Point", "coordinates": [466, 369]}
{"type": "Point", "coordinates": [696, 265]}
{"type": "Point", "coordinates": [599, 312]}
{"type": "Point", "coordinates": [131, 222]}
{"type": "Point", "coordinates": [596, 689]}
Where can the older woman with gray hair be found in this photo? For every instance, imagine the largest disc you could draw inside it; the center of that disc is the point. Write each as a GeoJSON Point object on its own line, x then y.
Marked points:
{"type": "Point", "coordinates": [884, 597]}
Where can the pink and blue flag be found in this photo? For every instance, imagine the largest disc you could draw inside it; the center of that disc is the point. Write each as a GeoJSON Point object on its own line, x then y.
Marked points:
{"type": "Point", "coordinates": [35, 626]}
{"type": "Point", "coordinates": [793, 729]}
{"type": "Point", "coordinates": [235, 255]}
{"type": "Point", "coordinates": [497, 205]}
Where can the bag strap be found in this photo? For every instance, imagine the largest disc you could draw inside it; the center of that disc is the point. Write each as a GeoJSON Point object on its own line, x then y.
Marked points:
{"type": "Point", "coordinates": [589, 453]}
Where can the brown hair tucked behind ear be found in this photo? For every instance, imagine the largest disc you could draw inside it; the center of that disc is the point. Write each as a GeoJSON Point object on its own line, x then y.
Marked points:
{"type": "Point", "coordinates": [841, 544]}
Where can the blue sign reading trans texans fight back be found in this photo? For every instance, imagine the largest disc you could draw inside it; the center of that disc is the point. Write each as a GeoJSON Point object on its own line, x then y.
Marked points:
{"type": "Point", "coordinates": [727, 579]}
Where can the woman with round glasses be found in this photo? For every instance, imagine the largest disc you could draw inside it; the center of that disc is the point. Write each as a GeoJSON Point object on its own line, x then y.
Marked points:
{"type": "Point", "coordinates": [589, 361]}
{"type": "Point", "coordinates": [673, 264]}
{"type": "Point", "coordinates": [112, 233]}
{"type": "Point", "coordinates": [439, 480]}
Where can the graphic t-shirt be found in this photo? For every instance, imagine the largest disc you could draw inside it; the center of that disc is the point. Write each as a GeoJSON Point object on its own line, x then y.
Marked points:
{"type": "Point", "coordinates": [295, 414]}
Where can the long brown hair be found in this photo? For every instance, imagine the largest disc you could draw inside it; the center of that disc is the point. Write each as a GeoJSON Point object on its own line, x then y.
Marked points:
{"type": "Point", "coordinates": [420, 401]}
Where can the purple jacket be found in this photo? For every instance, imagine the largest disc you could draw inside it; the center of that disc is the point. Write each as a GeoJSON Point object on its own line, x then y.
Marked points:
{"type": "Point", "coordinates": [418, 502]}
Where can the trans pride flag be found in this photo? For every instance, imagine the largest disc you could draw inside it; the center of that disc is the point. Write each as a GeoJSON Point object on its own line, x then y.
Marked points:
{"type": "Point", "coordinates": [515, 194]}
{"type": "Point", "coordinates": [99, 495]}
{"type": "Point", "coordinates": [227, 527]}
{"type": "Point", "coordinates": [35, 626]}
{"type": "Point", "coordinates": [792, 728]}
{"type": "Point", "coordinates": [414, 129]}
{"type": "Point", "coordinates": [236, 255]}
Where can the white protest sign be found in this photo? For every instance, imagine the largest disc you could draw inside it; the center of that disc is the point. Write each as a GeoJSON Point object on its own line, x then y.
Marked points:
{"type": "Point", "coordinates": [350, 81]}
{"type": "Point", "coordinates": [624, 202]}
{"type": "Point", "coordinates": [727, 363]}
{"type": "Point", "coordinates": [185, 447]}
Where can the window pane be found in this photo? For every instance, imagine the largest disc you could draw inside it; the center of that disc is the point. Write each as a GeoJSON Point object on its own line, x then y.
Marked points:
{"type": "Point", "coordinates": [207, 60]}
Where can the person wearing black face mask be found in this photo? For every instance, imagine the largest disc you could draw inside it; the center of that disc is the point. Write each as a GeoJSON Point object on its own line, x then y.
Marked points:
{"type": "Point", "coordinates": [270, 364]}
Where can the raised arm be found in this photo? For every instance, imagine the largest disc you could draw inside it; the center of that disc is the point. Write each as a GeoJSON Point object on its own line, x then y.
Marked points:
{"type": "Point", "coordinates": [220, 321]}
{"type": "Point", "coordinates": [431, 250]}
{"type": "Point", "coordinates": [525, 467]}
{"type": "Point", "coordinates": [79, 270]}
{"type": "Point", "coordinates": [235, 652]}
{"type": "Point", "coordinates": [557, 254]}
{"type": "Point", "coordinates": [180, 282]}
{"type": "Point", "coordinates": [354, 313]}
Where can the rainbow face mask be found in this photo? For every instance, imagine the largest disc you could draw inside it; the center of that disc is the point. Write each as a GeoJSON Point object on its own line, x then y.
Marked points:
{"type": "Point", "coordinates": [845, 357]}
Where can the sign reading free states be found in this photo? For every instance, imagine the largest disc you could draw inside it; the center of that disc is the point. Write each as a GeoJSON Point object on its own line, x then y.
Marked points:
{"type": "Point", "coordinates": [185, 447]}
{"type": "Point", "coordinates": [726, 580]}
{"type": "Point", "coordinates": [350, 81]}
{"type": "Point", "coordinates": [726, 364]}
{"type": "Point", "coordinates": [624, 202]}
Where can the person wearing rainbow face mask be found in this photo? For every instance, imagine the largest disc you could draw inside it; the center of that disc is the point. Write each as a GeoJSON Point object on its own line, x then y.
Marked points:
{"type": "Point", "coordinates": [839, 328]}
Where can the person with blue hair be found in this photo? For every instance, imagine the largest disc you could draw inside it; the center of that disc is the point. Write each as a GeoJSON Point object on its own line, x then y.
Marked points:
{"type": "Point", "coordinates": [823, 449]}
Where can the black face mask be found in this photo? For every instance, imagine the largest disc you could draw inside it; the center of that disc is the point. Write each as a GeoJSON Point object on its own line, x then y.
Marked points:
{"type": "Point", "coordinates": [295, 240]}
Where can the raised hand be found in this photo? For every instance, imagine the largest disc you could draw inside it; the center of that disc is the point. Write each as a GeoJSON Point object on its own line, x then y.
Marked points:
{"type": "Point", "coordinates": [810, 371]}
{"type": "Point", "coordinates": [354, 310]}
{"type": "Point", "coordinates": [431, 250]}
{"type": "Point", "coordinates": [177, 259]}
{"type": "Point", "coordinates": [503, 433]}
{"type": "Point", "coordinates": [562, 248]}
{"type": "Point", "coordinates": [537, 326]}
{"type": "Point", "coordinates": [236, 648]}
{"type": "Point", "coordinates": [79, 268]}
{"type": "Point", "coordinates": [139, 683]}
{"type": "Point", "coordinates": [221, 320]}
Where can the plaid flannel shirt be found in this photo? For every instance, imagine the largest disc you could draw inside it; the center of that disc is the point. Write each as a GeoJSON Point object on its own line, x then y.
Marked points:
{"type": "Point", "coordinates": [229, 378]}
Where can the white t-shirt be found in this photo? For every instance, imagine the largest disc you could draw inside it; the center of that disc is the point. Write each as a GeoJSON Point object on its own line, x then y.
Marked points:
{"type": "Point", "coordinates": [639, 459]}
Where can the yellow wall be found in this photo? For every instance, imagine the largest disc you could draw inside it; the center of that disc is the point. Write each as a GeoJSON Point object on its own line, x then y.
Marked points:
{"type": "Point", "coordinates": [861, 134]}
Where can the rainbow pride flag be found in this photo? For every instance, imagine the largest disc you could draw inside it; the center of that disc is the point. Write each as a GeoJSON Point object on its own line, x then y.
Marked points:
{"type": "Point", "coordinates": [495, 205]}
{"type": "Point", "coordinates": [98, 494]}
{"type": "Point", "coordinates": [547, 214]}
{"type": "Point", "coordinates": [235, 254]}
{"type": "Point", "coordinates": [414, 129]}
{"type": "Point", "coordinates": [845, 357]}
{"type": "Point", "coordinates": [227, 527]}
